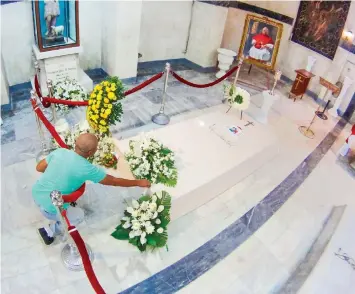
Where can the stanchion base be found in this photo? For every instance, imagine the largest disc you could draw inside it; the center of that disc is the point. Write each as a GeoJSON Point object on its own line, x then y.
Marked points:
{"type": "Point", "coordinates": [305, 131]}
{"type": "Point", "coordinates": [41, 155]}
{"type": "Point", "coordinates": [321, 115]}
{"type": "Point", "coordinates": [72, 259]}
{"type": "Point", "coordinates": [160, 119]}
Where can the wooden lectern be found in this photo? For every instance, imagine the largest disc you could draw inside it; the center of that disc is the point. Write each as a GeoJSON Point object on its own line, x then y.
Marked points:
{"type": "Point", "coordinates": [301, 82]}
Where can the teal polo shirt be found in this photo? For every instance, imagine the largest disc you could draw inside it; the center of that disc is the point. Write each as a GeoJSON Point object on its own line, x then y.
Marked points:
{"type": "Point", "coordinates": [66, 172]}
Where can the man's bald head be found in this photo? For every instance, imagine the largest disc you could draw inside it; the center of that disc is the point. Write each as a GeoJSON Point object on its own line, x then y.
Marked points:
{"type": "Point", "coordinates": [86, 145]}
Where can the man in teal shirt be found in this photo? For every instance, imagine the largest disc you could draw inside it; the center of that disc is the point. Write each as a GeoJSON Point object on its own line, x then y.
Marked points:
{"type": "Point", "coordinates": [65, 171]}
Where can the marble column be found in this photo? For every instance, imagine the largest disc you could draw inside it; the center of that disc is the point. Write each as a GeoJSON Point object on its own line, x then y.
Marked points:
{"type": "Point", "coordinates": [120, 37]}
{"type": "Point", "coordinates": [207, 28]}
{"type": "Point", "coordinates": [4, 85]}
{"type": "Point", "coordinates": [346, 84]}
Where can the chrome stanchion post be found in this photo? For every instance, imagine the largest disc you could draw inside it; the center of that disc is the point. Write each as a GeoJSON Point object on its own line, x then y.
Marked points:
{"type": "Point", "coordinates": [45, 151]}
{"type": "Point", "coordinates": [161, 118]}
{"type": "Point", "coordinates": [240, 62]}
{"type": "Point", "coordinates": [50, 93]}
{"type": "Point", "coordinates": [70, 254]}
{"type": "Point", "coordinates": [277, 77]}
{"type": "Point", "coordinates": [37, 73]}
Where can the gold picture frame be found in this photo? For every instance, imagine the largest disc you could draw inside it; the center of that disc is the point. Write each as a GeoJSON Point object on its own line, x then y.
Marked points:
{"type": "Point", "coordinates": [260, 46]}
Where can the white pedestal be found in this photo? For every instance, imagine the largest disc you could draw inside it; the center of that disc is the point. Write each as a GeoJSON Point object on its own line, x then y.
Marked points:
{"type": "Point", "coordinates": [225, 60]}
{"type": "Point", "coordinates": [347, 83]}
{"type": "Point", "coordinates": [59, 64]}
{"type": "Point", "coordinates": [260, 106]}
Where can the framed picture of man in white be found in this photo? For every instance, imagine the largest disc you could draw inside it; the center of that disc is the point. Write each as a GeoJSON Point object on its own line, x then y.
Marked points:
{"type": "Point", "coordinates": [260, 42]}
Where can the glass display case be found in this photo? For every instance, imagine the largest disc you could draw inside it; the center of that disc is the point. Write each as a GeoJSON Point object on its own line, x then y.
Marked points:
{"type": "Point", "coordinates": [56, 24]}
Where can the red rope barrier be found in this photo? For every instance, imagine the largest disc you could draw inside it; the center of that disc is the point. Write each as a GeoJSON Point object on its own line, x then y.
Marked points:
{"type": "Point", "coordinates": [48, 125]}
{"type": "Point", "coordinates": [45, 104]}
{"type": "Point", "coordinates": [146, 83]}
{"type": "Point", "coordinates": [86, 260]}
{"type": "Point", "coordinates": [182, 80]}
{"type": "Point", "coordinates": [48, 100]}
{"type": "Point", "coordinates": [64, 215]}
{"type": "Point", "coordinates": [37, 87]}
{"type": "Point", "coordinates": [73, 197]}
{"type": "Point", "coordinates": [79, 242]}
{"type": "Point", "coordinates": [65, 102]}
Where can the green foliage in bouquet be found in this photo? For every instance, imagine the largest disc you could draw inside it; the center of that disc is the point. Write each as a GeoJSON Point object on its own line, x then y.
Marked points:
{"type": "Point", "coordinates": [145, 223]}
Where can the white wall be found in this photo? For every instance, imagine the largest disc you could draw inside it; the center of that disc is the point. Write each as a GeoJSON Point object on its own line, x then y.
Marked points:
{"type": "Point", "coordinates": [90, 26]}
{"type": "Point", "coordinates": [120, 38]}
{"type": "Point", "coordinates": [16, 41]}
{"type": "Point", "coordinates": [206, 33]}
{"type": "Point", "coordinates": [17, 38]}
{"type": "Point", "coordinates": [164, 29]}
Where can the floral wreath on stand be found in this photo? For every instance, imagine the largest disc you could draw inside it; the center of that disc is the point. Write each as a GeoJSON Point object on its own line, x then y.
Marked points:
{"type": "Point", "coordinates": [105, 108]}
{"type": "Point", "coordinates": [237, 97]}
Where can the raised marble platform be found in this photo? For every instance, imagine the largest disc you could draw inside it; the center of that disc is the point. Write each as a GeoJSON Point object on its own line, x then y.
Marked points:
{"type": "Point", "coordinates": [211, 159]}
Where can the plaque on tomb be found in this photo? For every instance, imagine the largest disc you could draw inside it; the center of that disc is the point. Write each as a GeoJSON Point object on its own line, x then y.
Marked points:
{"type": "Point", "coordinates": [58, 69]}
{"type": "Point", "coordinates": [228, 133]}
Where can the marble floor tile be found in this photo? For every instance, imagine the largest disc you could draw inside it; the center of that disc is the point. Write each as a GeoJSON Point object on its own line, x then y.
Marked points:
{"type": "Point", "coordinates": [30, 258]}
{"type": "Point", "coordinates": [19, 150]}
{"type": "Point", "coordinates": [38, 281]}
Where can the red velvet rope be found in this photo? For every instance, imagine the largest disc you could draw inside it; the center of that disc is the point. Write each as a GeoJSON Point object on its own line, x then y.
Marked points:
{"type": "Point", "coordinates": [37, 87]}
{"type": "Point", "coordinates": [75, 195]}
{"type": "Point", "coordinates": [86, 103]}
{"type": "Point", "coordinates": [86, 260]}
{"type": "Point", "coordinates": [64, 215]}
{"type": "Point", "coordinates": [182, 80]}
{"type": "Point", "coordinates": [146, 83]}
{"type": "Point", "coordinates": [48, 125]}
{"type": "Point", "coordinates": [65, 102]}
{"type": "Point", "coordinates": [45, 104]}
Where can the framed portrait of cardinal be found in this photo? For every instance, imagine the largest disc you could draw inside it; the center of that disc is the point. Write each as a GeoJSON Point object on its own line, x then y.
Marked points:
{"type": "Point", "coordinates": [260, 41]}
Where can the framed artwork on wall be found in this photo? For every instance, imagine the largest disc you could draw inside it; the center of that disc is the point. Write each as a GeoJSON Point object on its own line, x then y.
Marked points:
{"type": "Point", "coordinates": [319, 25]}
{"type": "Point", "coordinates": [260, 41]}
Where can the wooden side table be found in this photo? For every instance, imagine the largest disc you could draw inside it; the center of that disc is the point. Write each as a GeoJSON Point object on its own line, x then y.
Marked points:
{"type": "Point", "coordinates": [300, 84]}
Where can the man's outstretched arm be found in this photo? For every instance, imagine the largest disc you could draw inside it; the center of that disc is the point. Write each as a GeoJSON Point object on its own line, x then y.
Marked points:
{"type": "Point", "coordinates": [41, 166]}
{"type": "Point", "coordinates": [112, 181]}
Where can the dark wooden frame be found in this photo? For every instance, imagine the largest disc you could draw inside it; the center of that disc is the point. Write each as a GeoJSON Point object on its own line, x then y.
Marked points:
{"type": "Point", "coordinates": [39, 35]}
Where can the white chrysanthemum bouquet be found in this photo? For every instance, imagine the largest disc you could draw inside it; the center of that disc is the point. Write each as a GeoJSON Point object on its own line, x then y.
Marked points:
{"type": "Point", "coordinates": [69, 90]}
{"type": "Point", "coordinates": [237, 97]}
{"type": "Point", "coordinates": [151, 160]}
{"type": "Point", "coordinates": [145, 222]}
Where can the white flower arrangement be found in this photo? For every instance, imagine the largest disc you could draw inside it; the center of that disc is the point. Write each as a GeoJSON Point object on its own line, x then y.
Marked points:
{"type": "Point", "coordinates": [149, 159]}
{"type": "Point", "coordinates": [105, 147]}
{"type": "Point", "coordinates": [237, 97]}
{"type": "Point", "coordinates": [69, 90]}
{"type": "Point", "coordinates": [145, 222]}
